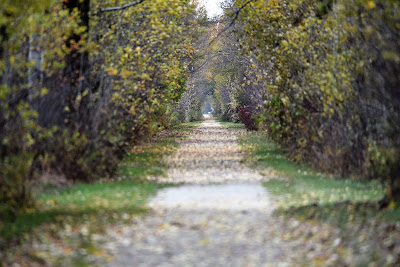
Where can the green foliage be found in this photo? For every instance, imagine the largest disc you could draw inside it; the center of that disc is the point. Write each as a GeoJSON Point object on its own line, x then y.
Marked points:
{"type": "Point", "coordinates": [304, 184]}
{"type": "Point", "coordinates": [158, 46]}
{"type": "Point", "coordinates": [78, 87]}
{"type": "Point", "coordinates": [97, 204]}
{"type": "Point", "coordinates": [327, 72]}
{"type": "Point", "coordinates": [307, 194]}
{"type": "Point", "coordinates": [14, 192]}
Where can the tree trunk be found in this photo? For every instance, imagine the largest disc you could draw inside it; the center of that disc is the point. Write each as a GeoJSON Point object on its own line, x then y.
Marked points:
{"type": "Point", "coordinates": [77, 68]}
{"type": "Point", "coordinates": [394, 191]}
{"type": "Point", "coordinates": [35, 55]}
{"type": "Point", "coordinates": [3, 40]}
{"type": "Point", "coordinates": [77, 63]}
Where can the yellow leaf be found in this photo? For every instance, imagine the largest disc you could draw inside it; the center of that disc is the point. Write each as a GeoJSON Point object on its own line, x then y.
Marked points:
{"type": "Point", "coordinates": [44, 91]}
{"type": "Point", "coordinates": [163, 226]}
{"type": "Point", "coordinates": [371, 4]}
{"type": "Point", "coordinates": [203, 241]}
{"type": "Point", "coordinates": [392, 205]}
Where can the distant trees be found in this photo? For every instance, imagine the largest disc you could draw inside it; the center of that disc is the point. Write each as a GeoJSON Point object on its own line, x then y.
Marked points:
{"type": "Point", "coordinates": [198, 86]}
{"type": "Point", "coordinates": [327, 76]}
{"type": "Point", "coordinates": [80, 81]}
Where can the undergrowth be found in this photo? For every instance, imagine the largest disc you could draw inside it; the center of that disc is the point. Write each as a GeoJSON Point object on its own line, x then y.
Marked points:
{"type": "Point", "coordinates": [147, 159]}
{"type": "Point", "coordinates": [302, 192]}
{"type": "Point", "coordinates": [231, 125]}
{"type": "Point", "coordinates": [97, 204]}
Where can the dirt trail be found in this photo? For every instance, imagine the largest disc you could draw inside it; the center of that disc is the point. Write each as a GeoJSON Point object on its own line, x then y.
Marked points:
{"type": "Point", "coordinates": [220, 216]}
{"type": "Point", "coordinates": [211, 154]}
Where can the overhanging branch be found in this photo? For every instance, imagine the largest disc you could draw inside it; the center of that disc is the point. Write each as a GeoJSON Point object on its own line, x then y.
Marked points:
{"type": "Point", "coordinates": [235, 17]}
{"type": "Point", "coordinates": [108, 9]}
{"type": "Point", "coordinates": [237, 12]}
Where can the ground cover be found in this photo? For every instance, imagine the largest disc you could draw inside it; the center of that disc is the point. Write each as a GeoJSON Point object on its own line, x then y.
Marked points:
{"type": "Point", "coordinates": [218, 214]}
{"type": "Point", "coordinates": [302, 188]}
{"type": "Point", "coordinates": [335, 214]}
{"type": "Point", "coordinates": [67, 218]}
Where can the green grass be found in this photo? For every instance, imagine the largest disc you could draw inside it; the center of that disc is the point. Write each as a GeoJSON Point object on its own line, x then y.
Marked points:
{"type": "Point", "coordinates": [232, 125]}
{"type": "Point", "coordinates": [148, 159]}
{"type": "Point", "coordinates": [99, 203]}
{"type": "Point", "coordinates": [187, 126]}
{"type": "Point", "coordinates": [102, 202]}
{"type": "Point", "coordinates": [85, 209]}
{"type": "Point", "coordinates": [301, 191]}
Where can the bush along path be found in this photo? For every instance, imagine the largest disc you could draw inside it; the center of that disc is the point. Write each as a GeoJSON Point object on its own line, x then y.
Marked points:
{"type": "Point", "coordinates": [221, 215]}
{"type": "Point", "coordinates": [217, 216]}
{"type": "Point", "coordinates": [336, 220]}
{"type": "Point", "coordinates": [232, 200]}
{"type": "Point", "coordinates": [67, 224]}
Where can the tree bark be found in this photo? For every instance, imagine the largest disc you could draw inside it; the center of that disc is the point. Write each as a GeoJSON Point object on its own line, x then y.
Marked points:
{"type": "Point", "coordinates": [108, 9]}
{"type": "Point", "coordinates": [77, 63]}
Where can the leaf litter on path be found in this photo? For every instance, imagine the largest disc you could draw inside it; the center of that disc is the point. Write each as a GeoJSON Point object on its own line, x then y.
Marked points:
{"type": "Point", "coordinates": [222, 216]}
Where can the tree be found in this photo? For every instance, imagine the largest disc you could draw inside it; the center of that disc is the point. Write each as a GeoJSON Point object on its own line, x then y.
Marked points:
{"type": "Point", "coordinates": [326, 73]}
{"type": "Point", "coordinates": [81, 81]}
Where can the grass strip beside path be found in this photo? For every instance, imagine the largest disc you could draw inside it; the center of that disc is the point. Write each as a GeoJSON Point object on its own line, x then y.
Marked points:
{"type": "Point", "coordinates": [305, 193]}
{"type": "Point", "coordinates": [336, 221]}
{"type": "Point", "coordinates": [70, 216]}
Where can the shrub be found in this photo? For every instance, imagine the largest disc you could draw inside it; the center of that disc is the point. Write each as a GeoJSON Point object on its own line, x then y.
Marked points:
{"type": "Point", "coordinates": [246, 117]}
{"type": "Point", "coordinates": [14, 190]}
{"type": "Point", "coordinates": [328, 74]}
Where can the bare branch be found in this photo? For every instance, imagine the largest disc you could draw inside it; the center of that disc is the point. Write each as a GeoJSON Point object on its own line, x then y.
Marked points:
{"type": "Point", "coordinates": [237, 12]}
{"type": "Point", "coordinates": [235, 17]}
{"type": "Point", "coordinates": [199, 68]}
{"type": "Point", "coordinates": [108, 9]}
{"type": "Point", "coordinates": [212, 22]}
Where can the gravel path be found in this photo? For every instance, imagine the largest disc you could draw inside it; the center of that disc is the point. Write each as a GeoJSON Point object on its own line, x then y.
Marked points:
{"type": "Point", "coordinates": [219, 216]}
{"type": "Point", "coordinates": [210, 155]}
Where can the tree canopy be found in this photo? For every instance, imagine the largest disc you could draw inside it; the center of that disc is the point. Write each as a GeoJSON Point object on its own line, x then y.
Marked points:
{"type": "Point", "coordinates": [321, 78]}
{"type": "Point", "coordinates": [81, 81]}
